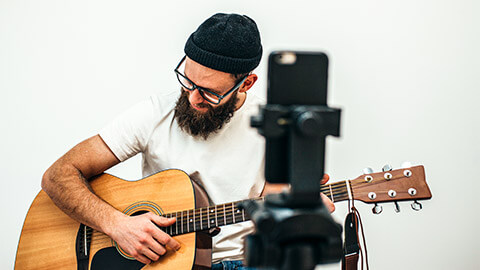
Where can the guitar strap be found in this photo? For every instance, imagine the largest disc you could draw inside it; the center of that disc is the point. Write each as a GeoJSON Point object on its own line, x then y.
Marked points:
{"type": "Point", "coordinates": [351, 248]}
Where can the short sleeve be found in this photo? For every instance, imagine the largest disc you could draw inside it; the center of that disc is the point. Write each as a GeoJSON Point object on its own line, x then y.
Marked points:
{"type": "Point", "coordinates": [129, 133]}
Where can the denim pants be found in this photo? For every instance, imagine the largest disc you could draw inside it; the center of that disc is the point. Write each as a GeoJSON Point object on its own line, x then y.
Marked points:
{"type": "Point", "coordinates": [230, 265]}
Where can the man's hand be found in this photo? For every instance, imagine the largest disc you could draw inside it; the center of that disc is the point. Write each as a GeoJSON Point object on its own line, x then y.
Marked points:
{"type": "Point", "coordinates": [328, 203]}
{"type": "Point", "coordinates": [140, 237]}
{"type": "Point", "coordinates": [277, 188]}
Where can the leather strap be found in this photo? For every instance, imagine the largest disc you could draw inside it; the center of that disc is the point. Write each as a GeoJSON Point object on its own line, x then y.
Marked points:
{"type": "Point", "coordinates": [350, 262]}
{"type": "Point", "coordinates": [351, 247]}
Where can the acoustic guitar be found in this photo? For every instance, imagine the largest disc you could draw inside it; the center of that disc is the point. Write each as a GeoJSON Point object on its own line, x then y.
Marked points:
{"type": "Point", "coordinates": [52, 240]}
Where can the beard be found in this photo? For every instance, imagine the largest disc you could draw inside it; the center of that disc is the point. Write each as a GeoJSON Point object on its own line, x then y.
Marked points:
{"type": "Point", "coordinates": [204, 124]}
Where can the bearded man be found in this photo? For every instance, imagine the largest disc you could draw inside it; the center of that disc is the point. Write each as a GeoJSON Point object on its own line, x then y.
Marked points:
{"type": "Point", "coordinates": [203, 129]}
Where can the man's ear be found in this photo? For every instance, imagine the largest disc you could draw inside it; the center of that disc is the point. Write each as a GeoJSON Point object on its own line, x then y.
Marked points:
{"type": "Point", "coordinates": [248, 83]}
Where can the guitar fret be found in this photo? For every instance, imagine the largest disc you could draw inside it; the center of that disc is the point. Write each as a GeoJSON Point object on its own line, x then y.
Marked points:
{"type": "Point", "coordinates": [207, 220]}
{"type": "Point", "coordinates": [238, 215]}
{"type": "Point", "coordinates": [219, 216]}
{"type": "Point", "coordinates": [166, 229]}
{"type": "Point", "coordinates": [224, 216]}
{"type": "Point", "coordinates": [216, 218]}
{"type": "Point", "coordinates": [192, 220]}
{"type": "Point", "coordinates": [201, 222]}
{"type": "Point", "coordinates": [208, 217]}
{"type": "Point", "coordinates": [336, 192]}
{"type": "Point", "coordinates": [341, 192]}
{"type": "Point", "coordinates": [176, 223]}
{"type": "Point", "coordinates": [194, 227]}
{"type": "Point", "coordinates": [233, 212]}
{"type": "Point", "coordinates": [182, 221]}
{"type": "Point", "coordinates": [228, 214]}
{"type": "Point", "coordinates": [188, 222]}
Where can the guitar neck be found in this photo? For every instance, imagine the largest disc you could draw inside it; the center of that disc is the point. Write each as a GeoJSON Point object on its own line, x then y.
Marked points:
{"type": "Point", "coordinates": [201, 219]}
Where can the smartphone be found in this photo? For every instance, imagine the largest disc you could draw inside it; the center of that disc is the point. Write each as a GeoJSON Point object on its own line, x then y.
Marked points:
{"type": "Point", "coordinates": [294, 78]}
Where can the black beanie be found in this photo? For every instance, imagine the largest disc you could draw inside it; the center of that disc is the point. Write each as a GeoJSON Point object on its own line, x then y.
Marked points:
{"type": "Point", "coordinates": [226, 42]}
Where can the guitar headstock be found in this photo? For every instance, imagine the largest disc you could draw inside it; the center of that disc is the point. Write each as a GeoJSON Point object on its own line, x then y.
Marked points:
{"type": "Point", "coordinates": [392, 186]}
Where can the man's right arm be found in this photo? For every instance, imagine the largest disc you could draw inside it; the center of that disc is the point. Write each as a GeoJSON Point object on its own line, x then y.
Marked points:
{"type": "Point", "coordinates": [67, 185]}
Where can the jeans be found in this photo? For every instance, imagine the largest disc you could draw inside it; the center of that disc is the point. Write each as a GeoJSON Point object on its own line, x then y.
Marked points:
{"type": "Point", "coordinates": [230, 265]}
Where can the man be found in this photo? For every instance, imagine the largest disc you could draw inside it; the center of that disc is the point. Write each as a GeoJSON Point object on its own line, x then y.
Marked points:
{"type": "Point", "coordinates": [202, 129]}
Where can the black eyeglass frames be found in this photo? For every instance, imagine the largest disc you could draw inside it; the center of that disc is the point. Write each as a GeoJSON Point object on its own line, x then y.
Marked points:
{"type": "Point", "coordinates": [208, 95]}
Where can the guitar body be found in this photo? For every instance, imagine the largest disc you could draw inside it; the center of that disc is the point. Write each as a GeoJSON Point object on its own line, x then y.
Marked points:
{"type": "Point", "coordinates": [49, 237]}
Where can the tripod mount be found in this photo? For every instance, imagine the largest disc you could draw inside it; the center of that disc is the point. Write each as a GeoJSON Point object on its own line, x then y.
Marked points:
{"type": "Point", "coordinates": [294, 228]}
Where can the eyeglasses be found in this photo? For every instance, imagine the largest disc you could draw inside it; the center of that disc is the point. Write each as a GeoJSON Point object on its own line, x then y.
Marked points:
{"type": "Point", "coordinates": [208, 95]}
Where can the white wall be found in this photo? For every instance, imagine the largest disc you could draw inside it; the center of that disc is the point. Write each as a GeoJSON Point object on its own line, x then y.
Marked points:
{"type": "Point", "coordinates": [404, 72]}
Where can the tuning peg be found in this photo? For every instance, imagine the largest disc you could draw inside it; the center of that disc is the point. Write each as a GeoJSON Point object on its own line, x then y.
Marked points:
{"type": "Point", "coordinates": [367, 170]}
{"type": "Point", "coordinates": [397, 207]}
{"type": "Point", "coordinates": [377, 209]}
{"type": "Point", "coordinates": [416, 206]}
{"type": "Point", "coordinates": [406, 164]}
{"type": "Point", "coordinates": [387, 168]}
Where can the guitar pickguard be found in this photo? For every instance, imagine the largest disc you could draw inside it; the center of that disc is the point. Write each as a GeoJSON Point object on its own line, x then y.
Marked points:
{"type": "Point", "coordinates": [110, 259]}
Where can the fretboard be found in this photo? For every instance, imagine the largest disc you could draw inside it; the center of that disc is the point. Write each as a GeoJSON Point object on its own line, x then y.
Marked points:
{"type": "Point", "coordinates": [202, 219]}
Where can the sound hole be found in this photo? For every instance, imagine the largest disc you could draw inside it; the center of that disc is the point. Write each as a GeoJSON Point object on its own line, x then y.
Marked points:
{"type": "Point", "coordinates": [120, 250]}
{"type": "Point", "coordinates": [137, 209]}
{"type": "Point", "coordinates": [138, 213]}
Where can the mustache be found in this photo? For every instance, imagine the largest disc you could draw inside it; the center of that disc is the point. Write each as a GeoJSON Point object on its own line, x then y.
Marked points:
{"type": "Point", "coordinates": [203, 105]}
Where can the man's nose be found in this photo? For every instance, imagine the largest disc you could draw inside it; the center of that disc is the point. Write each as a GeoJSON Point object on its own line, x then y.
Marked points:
{"type": "Point", "coordinates": [195, 97]}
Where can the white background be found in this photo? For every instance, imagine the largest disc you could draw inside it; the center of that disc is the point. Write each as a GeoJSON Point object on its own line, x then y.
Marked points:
{"type": "Point", "coordinates": [405, 73]}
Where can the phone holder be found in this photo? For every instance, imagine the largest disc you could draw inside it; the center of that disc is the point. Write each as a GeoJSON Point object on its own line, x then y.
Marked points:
{"type": "Point", "coordinates": [306, 127]}
{"type": "Point", "coordinates": [294, 228]}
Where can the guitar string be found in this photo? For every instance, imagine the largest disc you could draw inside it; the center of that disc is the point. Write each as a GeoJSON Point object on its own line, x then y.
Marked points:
{"type": "Point", "coordinates": [173, 231]}
{"type": "Point", "coordinates": [232, 211]}
{"type": "Point", "coordinates": [222, 216]}
{"type": "Point", "coordinates": [200, 211]}
{"type": "Point", "coordinates": [203, 211]}
{"type": "Point", "coordinates": [337, 190]}
{"type": "Point", "coordinates": [229, 212]}
{"type": "Point", "coordinates": [229, 215]}
{"type": "Point", "coordinates": [104, 236]}
{"type": "Point", "coordinates": [207, 226]}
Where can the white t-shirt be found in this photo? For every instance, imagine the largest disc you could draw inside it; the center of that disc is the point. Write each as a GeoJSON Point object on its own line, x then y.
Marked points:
{"type": "Point", "coordinates": [229, 164]}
